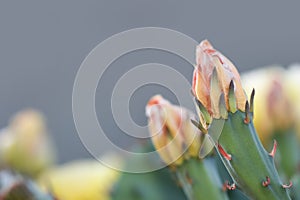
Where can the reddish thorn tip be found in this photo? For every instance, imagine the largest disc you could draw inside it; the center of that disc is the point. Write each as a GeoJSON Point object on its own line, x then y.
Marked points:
{"type": "Point", "coordinates": [246, 120]}
{"type": "Point", "coordinates": [227, 186]}
{"type": "Point", "coordinates": [266, 182]}
{"type": "Point", "coordinates": [224, 153]}
{"type": "Point", "coordinates": [247, 111]}
{"type": "Point", "coordinates": [288, 186]}
{"type": "Point", "coordinates": [273, 152]}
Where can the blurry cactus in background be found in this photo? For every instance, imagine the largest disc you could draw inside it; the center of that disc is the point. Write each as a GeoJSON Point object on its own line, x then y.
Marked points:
{"type": "Point", "coordinates": [25, 144]}
{"type": "Point", "coordinates": [159, 184]}
{"type": "Point", "coordinates": [178, 142]}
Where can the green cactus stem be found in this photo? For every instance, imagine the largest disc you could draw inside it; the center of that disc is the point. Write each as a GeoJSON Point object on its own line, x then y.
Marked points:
{"type": "Point", "coordinates": [287, 158]}
{"type": "Point", "coordinates": [226, 179]}
{"type": "Point", "coordinates": [249, 164]}
{"type": "Point", "coordinates": [199, 179]}
{"type": "Point", "coordinates": [158, 185]}
{"type": "Point", "coordinates": [295, 190]}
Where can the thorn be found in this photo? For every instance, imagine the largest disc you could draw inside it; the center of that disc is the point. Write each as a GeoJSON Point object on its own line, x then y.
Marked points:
{"type": "Point", "coordinates": [231, 85]}
{"type": "Point", "coordinates": [178, 183]}
{"type": "Point", "coordinates": [199, 126]}
{"type": "Point", "coordinates": [247, 116]}
{"type": "Point", "coordinates": [266, 182]}
{"type": "Point", "coordinates": [189, 179]}
{"type": "Point", "coordinates": [231, 98]}
{"type": "Point", "coordinates": [273, 152]}
{"type": "Point", "coordinates": [252, 100]}
{"type": "Point", "coordinates": [222, 107]}
{"type": "Point", "coordinates": [288, 186]}
{"type": "Point", "coordinates": [172, 168]}
{"type": "Point", "coordinates": [224, 153]}
{"type": "Point", "coordinates": [204, 111]}
{"type": "Point", "coordinates": [227, 186]}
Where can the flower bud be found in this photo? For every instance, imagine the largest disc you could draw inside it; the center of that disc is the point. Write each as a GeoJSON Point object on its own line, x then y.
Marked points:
{"type": "Point", "coordinates": [172, 131]}
{"type": "Point", "coordinates": [292, 81]}
{"type": "Point", "coordinates": [25, 144]}
{"type": "Point", "coordinates": [213, 74]}
{"type": "Point", "coordinates": [273, 106]}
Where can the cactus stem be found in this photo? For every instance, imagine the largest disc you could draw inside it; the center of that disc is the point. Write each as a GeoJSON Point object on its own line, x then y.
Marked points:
{"type": "Point", "coordinates": [247, 113]}
{"type": "Point", "coordinates": [252, 100]}
{"type": "Point", "coordinates": [285, 186]}
{"type": "Point", "coordinates": [228, 186]}
{"type": "Point", "coordinates": [224, 153]}
{"type": "Point", "coordinates": [267, 182]}
{"type": "Point", "coordinates": [198, 180]}
{"type": "Point", "coordinates": [273, 152]}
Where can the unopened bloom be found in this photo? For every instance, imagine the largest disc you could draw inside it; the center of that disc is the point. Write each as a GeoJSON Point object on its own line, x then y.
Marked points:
{"type": "Point", "coordinates": [293, 81]}
{"type": "Point", "coordinates": [171, 130]}
{"type": "Point", "coordinates": [212, 76]}
{"type": "Point", "coordinates": [273, 110]}
{"type": "Point", "coordinates": [25, 144]}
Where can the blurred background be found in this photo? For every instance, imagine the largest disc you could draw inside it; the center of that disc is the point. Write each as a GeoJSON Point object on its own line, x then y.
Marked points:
{"type": "Point", "coordinates": [43, 43]}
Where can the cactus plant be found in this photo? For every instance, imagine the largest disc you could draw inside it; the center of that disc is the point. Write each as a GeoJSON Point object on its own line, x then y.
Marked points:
{"type": "Point", "coordinates": [217, 156]}
{"type": "Point", "coordinates": [218, 88]}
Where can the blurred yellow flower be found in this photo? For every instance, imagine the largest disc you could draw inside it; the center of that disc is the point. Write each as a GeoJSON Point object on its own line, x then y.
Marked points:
{"type": "Point", "coordinates": [80, 180]}
{"type": "Point", "coordinates": [25, 145]}
{"type": "Point", "coordinates": [273, 108]}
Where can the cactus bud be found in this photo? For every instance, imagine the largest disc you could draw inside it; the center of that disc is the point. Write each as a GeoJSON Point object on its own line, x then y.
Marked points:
{"type": "Point", "coordinates": [273, 105]}
{"type": "Point", "coordinates": [172, 131]}
{"type": "Point", "coordinates": [218, 88]}
{"type": "Point", "coordinates": [214, 75]}
{"type": "Point", "coordinates": [279, 107]}
{"type": "Point", "coordinates": [25, 145]}
{"type": "Point", "coordinates": [292, 82]}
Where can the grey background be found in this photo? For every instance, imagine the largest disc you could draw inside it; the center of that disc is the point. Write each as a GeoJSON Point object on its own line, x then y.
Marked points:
{"type": "Point", "coordinates": [42, 44]}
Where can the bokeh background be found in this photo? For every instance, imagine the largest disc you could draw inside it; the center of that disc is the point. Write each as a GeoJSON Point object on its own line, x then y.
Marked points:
{"type": "Point", "coordinates": [42, 44]}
